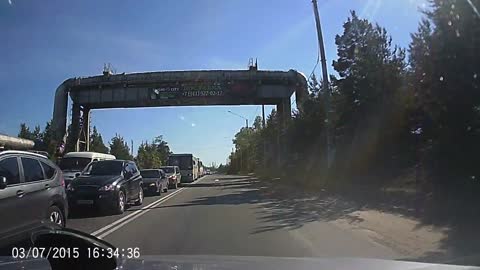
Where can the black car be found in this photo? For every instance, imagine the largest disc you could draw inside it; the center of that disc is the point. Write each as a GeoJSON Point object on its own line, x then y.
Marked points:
{"type": "Point", "coordinates": [32, 191]}
{"type": "Point", "coordinates": [108, 184]}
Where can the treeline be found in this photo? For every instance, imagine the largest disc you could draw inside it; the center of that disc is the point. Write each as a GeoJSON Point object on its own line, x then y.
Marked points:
{"type": "Point", "coordinates": [393, 109]}
{"type": "Point", "coordinates": [149, 155]}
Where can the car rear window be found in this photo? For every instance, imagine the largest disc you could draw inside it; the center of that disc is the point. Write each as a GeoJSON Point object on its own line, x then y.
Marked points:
{"type": "Point", "coordinates": [168, 169]}
{"type": "Point", "coordinates": [107, 167]}
{"type": "Point", "coordinates": [150, 174]}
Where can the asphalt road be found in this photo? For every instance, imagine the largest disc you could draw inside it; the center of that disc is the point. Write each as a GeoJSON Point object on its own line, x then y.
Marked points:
{"type": "Point", "coordinates": [227, 215]}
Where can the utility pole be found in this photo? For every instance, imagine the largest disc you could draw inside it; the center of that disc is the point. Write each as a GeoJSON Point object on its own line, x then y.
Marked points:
{"type": "Point", "coordinates": [246, 119]}
{"type": "Point", "coordinates": [326, 88]}
{"type": "Point", "coordinates": [263, 139]}
{"type": "Point", "coordinates": [132, 146]}
{"type": "Point", "coordinates": [263, 115]}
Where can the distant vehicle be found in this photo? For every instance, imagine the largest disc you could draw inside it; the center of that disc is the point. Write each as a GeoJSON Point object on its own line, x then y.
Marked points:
{"type": "Point", "coordinates": [201, 169]}
{"type": "Point", "coordinates": [109, 185]}
{"type": "Point", "coordinates": [208, 172]}
{"type": "Point", "coordinates": [188, 165]}
{"type": "Point", "coordinates": [32, 190]}
{"type": "Point", "coordinates": [73, 163]}
{"type": "Point", "coordinates": [173, 174]}
{"type": "Point", "coordinates": [154, 181]}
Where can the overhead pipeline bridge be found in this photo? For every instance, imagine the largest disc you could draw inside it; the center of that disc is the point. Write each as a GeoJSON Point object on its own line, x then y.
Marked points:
{"type": "Point", "coordinates": [171, 88]}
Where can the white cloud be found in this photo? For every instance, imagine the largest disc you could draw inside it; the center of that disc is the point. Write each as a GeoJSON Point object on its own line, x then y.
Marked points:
{"type": "Point", "coordinates": [193, 124]}
{"type": "Point", "coordinates": [182, 117]}
{"type": "Point", "coordinates": [10, 2]}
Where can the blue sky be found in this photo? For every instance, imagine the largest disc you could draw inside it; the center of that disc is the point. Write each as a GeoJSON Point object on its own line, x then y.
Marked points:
{"type": "Point", "coordinates": [46, 42]}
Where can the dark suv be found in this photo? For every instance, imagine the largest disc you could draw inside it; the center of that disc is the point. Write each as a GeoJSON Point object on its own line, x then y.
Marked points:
{"type": "Point", "coordinates": [108, 185]}
{"type": "Point", "coordinates": [32, 190]}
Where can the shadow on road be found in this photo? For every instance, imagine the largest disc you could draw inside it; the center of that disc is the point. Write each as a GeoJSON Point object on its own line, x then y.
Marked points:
{"type": "Point", "coordinates": [88, 212]}
{"type": "Point", "coordinates": [278, 207]}
{"type": "Point", "coordinates": [282, 207]}
{"type": "Point", "coordinates": [236, 178]}
{"type": "Point", "coordinates": [215, 184]}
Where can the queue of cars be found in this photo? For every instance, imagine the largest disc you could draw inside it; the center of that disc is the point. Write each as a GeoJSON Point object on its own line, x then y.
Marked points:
{"type": "Point", "coordinates": [45, 191]}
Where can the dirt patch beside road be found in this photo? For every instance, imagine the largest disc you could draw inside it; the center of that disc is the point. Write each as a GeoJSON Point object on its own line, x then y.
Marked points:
{"type": "Point", "coordinates": [405, 235]}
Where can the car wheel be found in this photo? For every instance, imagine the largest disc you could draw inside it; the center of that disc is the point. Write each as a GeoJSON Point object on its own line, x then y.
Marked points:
{"type": "Point", "coordinates": [55, 215]}
{"type": "Point", "coordinates": [120, 207]}
{"type": "Point", "coordinates": [140, 197]}
{"type": "Point", "coordinates": [159, 190]}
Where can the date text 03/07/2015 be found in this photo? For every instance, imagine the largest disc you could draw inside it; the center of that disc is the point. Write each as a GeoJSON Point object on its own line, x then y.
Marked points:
{"type": "Point", "coordinates": [74, 252]}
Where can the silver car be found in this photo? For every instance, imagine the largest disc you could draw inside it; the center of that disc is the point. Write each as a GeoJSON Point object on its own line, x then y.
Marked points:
{"type": "Point", "coordinates": [154, 181]}
{"type": "Point", "coordinates": [32, 191]}
{"type": "Point", "coordinates": [173, 175]}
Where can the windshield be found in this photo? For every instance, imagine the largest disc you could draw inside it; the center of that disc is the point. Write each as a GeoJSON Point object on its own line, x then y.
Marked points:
{"type": "Point", "coordinates": [150, 174]}
{"type": "Point", "coordinates": [104, 168]}
{"type": "Point", "coordinates": [288, 128]}
{"type": "Point", "coordinates": [74, 163]}
{"type": "Point", "coordinates": [168, 169]}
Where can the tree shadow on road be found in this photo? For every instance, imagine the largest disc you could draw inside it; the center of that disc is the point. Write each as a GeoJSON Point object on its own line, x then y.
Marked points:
{"type": "Point", "coordinates": [277, 207]}
{"type": "Point", "coordinates": [214, 184]}
{"type": "Point", "coordinates": [283, 207]}
{"type": "Point", "coordinates": [88, 212]}
{"type": "Point", "coordinates": [290, 208]}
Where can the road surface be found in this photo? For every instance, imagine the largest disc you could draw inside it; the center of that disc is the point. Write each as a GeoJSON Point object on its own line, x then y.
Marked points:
{"type": "Point", "coordinates": [228, 215]}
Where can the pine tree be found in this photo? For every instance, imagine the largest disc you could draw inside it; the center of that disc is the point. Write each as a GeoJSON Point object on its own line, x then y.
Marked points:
{"type": "Point", "coordinates": [96, 142]}
{"type": "Point", "coordinates": [25, 132]}
{"type": "Point", "coordinates": [119, 148]}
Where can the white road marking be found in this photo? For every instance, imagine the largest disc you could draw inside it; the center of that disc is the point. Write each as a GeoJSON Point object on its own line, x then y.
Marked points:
{"type": "Point", "coordinates": [216, 180]}
{"type": "Point", "coordinates": [139, 214]}
{"type": "Point", "coordinates": [136, 212]}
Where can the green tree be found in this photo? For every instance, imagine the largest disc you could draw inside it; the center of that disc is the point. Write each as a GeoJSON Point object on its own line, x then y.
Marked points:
{"type": "Point", "coordinates": [37, 133]}
{"type": "Point", "coordinates": [119, 148]}
{"type": "Point", "coordinates": [371, 72]}
{"type": "Point", "coordinates": [444, 58]}
{"type": "Point", "coordinates": [148, 157]}
{"type": "Point", "coordinates": [25, 132]}
{"type": "Point", "coordinates": [153, 155]}
{"type": "Point", "coordinates": [47, 139]}
{"type": "Point", "coordinates": [96, 142]}
{"type": "Point", "coordinates": [162, 149]}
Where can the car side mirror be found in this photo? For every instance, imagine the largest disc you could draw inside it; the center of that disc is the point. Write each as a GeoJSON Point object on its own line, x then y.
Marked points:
{"type": "Point", "coordinates": [77, 174]}
{"type": "Point", "coordinates": [3, 182]}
